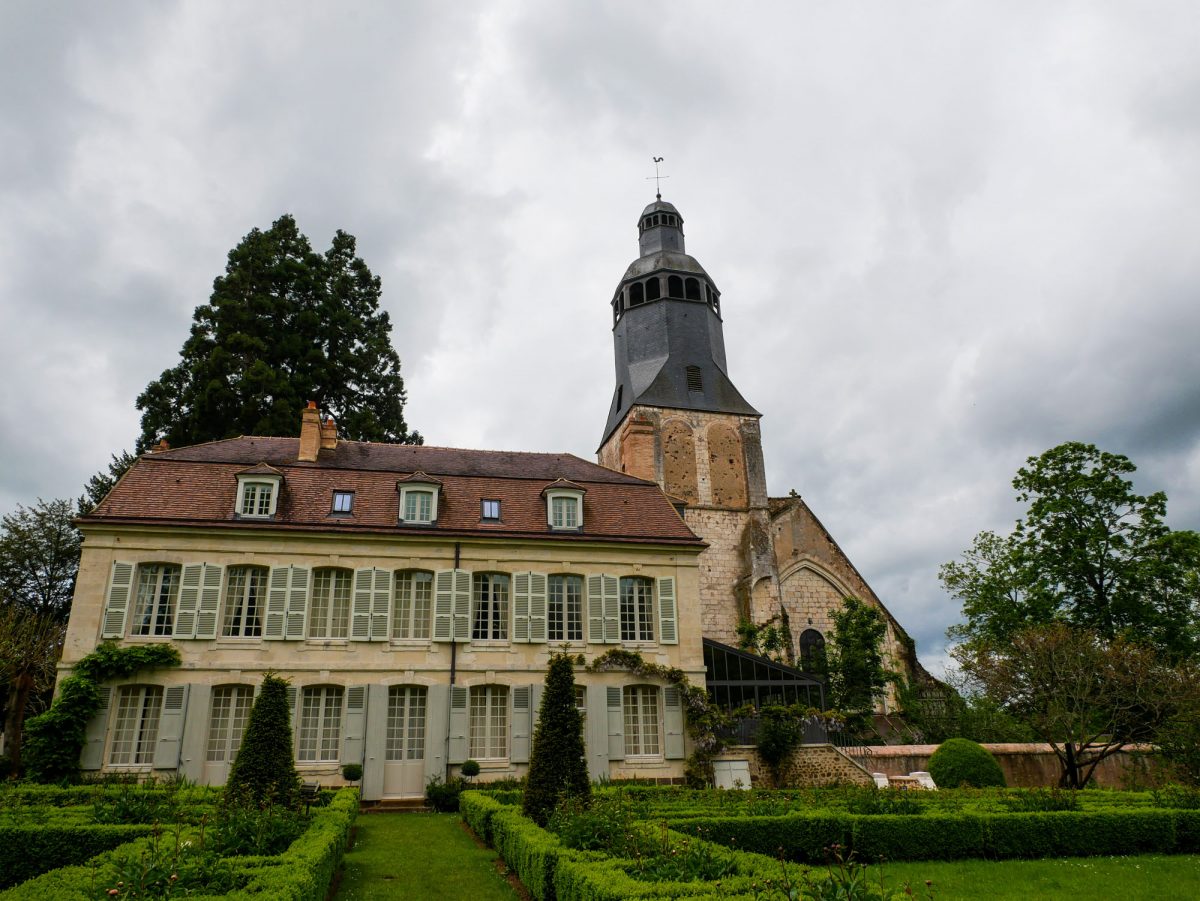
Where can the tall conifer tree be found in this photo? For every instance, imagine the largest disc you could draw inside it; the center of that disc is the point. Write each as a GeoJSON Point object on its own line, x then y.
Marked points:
{"type": "Point", "coordinates": [284, 325]}
{"type": "Point", "coordinates": [557, 768]}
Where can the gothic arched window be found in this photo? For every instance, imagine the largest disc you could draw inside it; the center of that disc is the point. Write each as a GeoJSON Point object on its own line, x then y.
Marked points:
{"type": "Point", "coordinates": [812, 651]}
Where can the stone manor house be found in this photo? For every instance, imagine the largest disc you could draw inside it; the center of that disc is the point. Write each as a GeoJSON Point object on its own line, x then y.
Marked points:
{"type": "Point", "coordinates": [413, 595]}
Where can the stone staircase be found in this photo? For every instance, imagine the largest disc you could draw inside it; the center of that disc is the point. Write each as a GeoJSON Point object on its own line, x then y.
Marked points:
{"type": "Point", "coordinates": [395, 805]}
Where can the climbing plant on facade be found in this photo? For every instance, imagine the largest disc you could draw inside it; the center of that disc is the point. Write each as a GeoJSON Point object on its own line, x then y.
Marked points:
{"type": "Point", "coordinates": [54, 740]}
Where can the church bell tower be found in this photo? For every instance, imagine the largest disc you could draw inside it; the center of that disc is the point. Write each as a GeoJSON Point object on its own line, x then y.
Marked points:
{"type": "Point", "coordinates": [677, 419]}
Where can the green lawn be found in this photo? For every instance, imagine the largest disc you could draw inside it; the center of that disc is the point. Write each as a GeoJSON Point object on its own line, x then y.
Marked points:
{"type": "Point", "coordinates": [1149, 877]}
{"type": "Point", "coordinates": [419, 855]}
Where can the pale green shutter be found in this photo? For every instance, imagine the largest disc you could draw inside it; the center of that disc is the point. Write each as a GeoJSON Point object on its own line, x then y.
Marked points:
{"type": "Point", "coordinates": [616, 725]}
{"type": "Point", "coordinates": [673, 723]}
{"type": "Point", "coordinates": [437, 704]}
{"type": "Point", "coordinates": [293, 695]}
{"type": "Point", "coordinates": [668, 631]}
{"type": "Point", "coordinates": [189, 601]}
{"type": "Point", "coordinates": [521, 724]}
{"type": "Point", "coordinates": [595, 730]}
{"type": "Point", "coordinates": [381, 604]}
{"type": "Point", "coordinates": [354, 724]}
{"type": "Point", "coordinates": [595, 609]}
{"type": "Point", "coordinates": [535, 708]}
{"type": "Point", "coordinates": [210, 602]}
{"type": "Point", "coordinates": [170, 727]}
{"type": "Point", "coordinates": [277, 599]}
{"type": "Point", "coordinates": [116, 608]}
{"type": "Point", "coordinates": [375, 744]}
{"type": "Point", "coordinates": [194, 746]}
{"type": "Point", "coordinates": [360, 614]}
{"type": "Point", "coordinates": [297, 603]}
{"type": "Point", "coordinates": [537, 607]}
{"type": "Point", "coordinates": [462, 605]}
{"type": "Point", "coordinates": [459, 724]}
{"type": "Point", "coordinates": [612, 609]}
{"type": "Point", "coordinates": [520, 607]}
{"type": "Point", "coordinates": [92, 757]}
{"type": "Point", "coordinates": [443, 605]}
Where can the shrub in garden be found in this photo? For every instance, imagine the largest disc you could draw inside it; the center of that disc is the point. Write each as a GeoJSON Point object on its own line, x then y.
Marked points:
{"type": "Point", "coordinates": [470, 769]}
{"type": "Point", "coordinates": [780, 732]}
{"type": "Point", "coordinates": [263, 771]}
{"type": "Point", "coordinates": [443, 796]}
{"type": "Point", "coordinates": [243, 829]}
{"type": "Point", "coordinates": [352, 772]}
{"type": "Point", "coordinates": [1041, 800]}
{"type": "Point", "coordinates": [557, 768]}
{"type": "Point", "coordinates": [959, 761]}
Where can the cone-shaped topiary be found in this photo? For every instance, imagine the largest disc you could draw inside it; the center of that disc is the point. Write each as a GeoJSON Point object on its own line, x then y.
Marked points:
{"type": "Point", "coordinates": [960, 761]}
{"type": "Point", "coordinates": [557, 768]}
{"type": "Point", "coordinates": [263, 771]}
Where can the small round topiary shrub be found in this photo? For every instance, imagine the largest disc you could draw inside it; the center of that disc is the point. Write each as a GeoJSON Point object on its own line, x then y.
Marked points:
{"type": "Point", "coordinates": [960, 761]}
{"type": "Point", "coordinates": [470, 769]}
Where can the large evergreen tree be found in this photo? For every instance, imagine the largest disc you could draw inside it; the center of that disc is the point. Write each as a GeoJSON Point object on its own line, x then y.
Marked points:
{"type": "Point", "coordinates": [284, 325]}
{"type": "Point", "coordinates": [557, 767]}
{"type": "Point", "coordinates": [263, 771]}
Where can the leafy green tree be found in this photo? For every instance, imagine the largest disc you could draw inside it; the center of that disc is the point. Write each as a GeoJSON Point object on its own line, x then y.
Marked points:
{"type": "Point", "coordinates": [557, 766]}
{"type": "Point", "coordinates": [39, 557]}
{"type": "Point", "coordinates": [30, 645]}
{"type": "Point", "coordinates": [854, 659]}
{"type": "Point", "coordinates": [284, 325]}
{"type": "Point", "coordinates": [99, 485]}
{"type": "Point", "coordinates": [937, 712]}
{"type": "Point", "coordinates": [263, 771]}
{"type": "Point", "coordinates": [1089, 552]}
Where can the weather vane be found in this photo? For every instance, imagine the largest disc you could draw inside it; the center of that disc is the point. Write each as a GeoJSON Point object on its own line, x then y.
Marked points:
{"type": "Point", "coordinates": [657, 178]}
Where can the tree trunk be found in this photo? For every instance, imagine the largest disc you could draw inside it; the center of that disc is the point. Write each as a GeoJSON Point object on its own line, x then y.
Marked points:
{"type": "Point", "coordinates": [14, 723]}
{"type": "Point", "coordinates": [1070, 774]}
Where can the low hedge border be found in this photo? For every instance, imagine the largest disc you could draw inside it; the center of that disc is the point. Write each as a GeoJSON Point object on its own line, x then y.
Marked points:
{"type": "Point", "coordinates": [936, 836]}
{"type": "Point", "coordinates": [29, 794]}
{"type": "Point", "coordinates": [303, 872]}
{"type": "Point", "coordinates": [27, 852]}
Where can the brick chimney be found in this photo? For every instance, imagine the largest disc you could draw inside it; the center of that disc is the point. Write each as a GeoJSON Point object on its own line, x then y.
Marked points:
{"type": "Point", "coordinates": [328, 434]}
{"type": "Point", "coordinates": [310, 433]}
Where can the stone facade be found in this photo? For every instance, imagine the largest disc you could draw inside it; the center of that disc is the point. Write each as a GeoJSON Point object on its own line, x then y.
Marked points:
{"type": "Point", "coordinates": [809, 766]}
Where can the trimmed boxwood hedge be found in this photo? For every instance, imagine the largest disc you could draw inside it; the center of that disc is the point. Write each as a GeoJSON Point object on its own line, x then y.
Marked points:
{"type": "Point", "coordinates": [302, 873]}
{"type": "Point", "coordinates": [29, 851]}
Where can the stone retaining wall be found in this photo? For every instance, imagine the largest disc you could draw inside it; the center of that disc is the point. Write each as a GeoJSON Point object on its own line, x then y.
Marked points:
{"type": "Point", "coordinates": [809, 766]}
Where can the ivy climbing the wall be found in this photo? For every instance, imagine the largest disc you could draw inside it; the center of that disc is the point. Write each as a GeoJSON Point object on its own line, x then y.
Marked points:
{"type": "Point", "coordinates": [54, 740]}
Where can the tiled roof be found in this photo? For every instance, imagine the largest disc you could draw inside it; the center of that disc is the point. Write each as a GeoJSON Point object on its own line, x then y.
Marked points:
{"type": "Point", "coordinates": [198, 485]}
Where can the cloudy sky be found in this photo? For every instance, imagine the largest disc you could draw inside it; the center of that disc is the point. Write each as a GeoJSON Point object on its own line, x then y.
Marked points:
{"type": "Point", "coordinates": [948, 236]}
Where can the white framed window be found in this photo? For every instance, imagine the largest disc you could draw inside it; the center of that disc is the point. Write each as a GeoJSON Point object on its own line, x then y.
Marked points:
{"type": "Point", "coordinates": [343, 502]}
{"type": "Point", "coordinates": [637, 608]}
{"type": "Point", "coordinates": [565, 609]}
{"type": "Point", "coordinates": [489, 722]}
{"type": "Point", "coordinates": [406, 722]}
{"type": "Point", "coordinates": [320, 724]}
{"type": "Point", "coordinates": [413, 604]}
{"type": "Point", "coordinates": [245, 597]}
{"type": "Point", "coordinates": [136, 730]}
{"type": "Point", "coordinates": [157, 595]}
{"type": "Point", "coordinates": [564, 508]}
{"type": "Point", "coordinates": [227, 721]}
{"type": "Point", "coordinates": [329, 613]}
{"type": "Point", "coordinates": [257, 496]}
{"type": "Point", "coordinates": [581, 700]}
{"type": "Point", "coordinates": [489, 607]}
{"type": "Point", "coordinates": [489, 510]}
{"type": "Point", "coordinates": [419, 500]}
{"type": "Point", "coordinates": [642, 721]}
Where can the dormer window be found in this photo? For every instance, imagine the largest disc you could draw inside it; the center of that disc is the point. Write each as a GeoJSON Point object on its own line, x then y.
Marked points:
{"type": "Point", "coordinates": [418, 499]}
{"type": "Point", "coordinates": [564, 506]}
{"type": "Point", "coordinates": [258, 492]}
{"type": "Point", "coordinates": [343, 502]}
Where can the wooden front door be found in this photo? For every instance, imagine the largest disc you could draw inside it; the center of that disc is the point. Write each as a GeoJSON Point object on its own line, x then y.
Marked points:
{"type": "Point", "coordinates": [404, 762]}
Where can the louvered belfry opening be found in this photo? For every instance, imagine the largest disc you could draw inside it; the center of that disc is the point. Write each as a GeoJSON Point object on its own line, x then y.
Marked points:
{"type": "Point", "coordinates": [695, 381]}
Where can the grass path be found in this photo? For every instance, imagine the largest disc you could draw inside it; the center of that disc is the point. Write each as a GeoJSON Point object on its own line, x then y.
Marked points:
{"type": "Point", "coordinates": [419, 855]}
{"type": "Point", "coordinates": [1142, 878]}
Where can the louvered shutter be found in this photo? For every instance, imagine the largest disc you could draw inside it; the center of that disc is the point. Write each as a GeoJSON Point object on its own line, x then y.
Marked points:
{"type": "Point", "coordinates": [520, 607]}
{"type": "Point", "coordinates": [537, 607]}
{"type": "Point", "coordinates": [462, 605]}
{"type": "Point", "coordinates": [360, 614]}
{"type": "Point", "coordinates": [535, 709]}
{"type": "Point", "coordinates": [195, 732]}
{"type": "Point", "coordinates": [170, 727]}
{"type": "Point", "coordinates": [92, 757]}
{"type": "Point", "coordinates": [595, 730]}
{"type": "Point", "coordinates": [293, 695]}
{"type": "Point", "coordinates": [668, 629]}
{"type": "Point", "coordinates": [521, 724]}
{"type": "Point", "coordinates": [277, 600]}
{"type": "Point", "coordinates": [381, 604]}
{"type": "Point", "coordinates": [355, 724]}
{"type": "Point", "coordinates": [616, 725]}
{"type": "Point", "coordinates": [595, 609]}
{"type": "Point", "coordinates": [443, 605]}
{"type": "Point", "coordinates": [459, 723]}
{"type": "Point", "coordinates": [116, 606]}
{"type": "Point", "coordinates": [189, 601]}
{"type": "Point", "coordinates": [673, 723]}
{"type": "Point", "coordinates": [375, 743]}
{"type": "Point", "coordinates": [612, 609]}
{"type": "Point", "coordinates": [297, 603]}
{"type": "Point", "coordinates": [210, 602]}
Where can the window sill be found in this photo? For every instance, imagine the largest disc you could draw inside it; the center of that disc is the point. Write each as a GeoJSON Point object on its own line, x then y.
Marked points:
{"type": "Point", "coordinates": [493, 763]}
{"type": "Point", "coordinates": [646, 761]}
{"type": "Point", "coordinates": [229, 642]}
{"type": "Point", "coordinates": [489, 644]}
{"type": "Point", "coordinates": [328, 644]}
{"type": "Point", "coordinates": [410, 643]}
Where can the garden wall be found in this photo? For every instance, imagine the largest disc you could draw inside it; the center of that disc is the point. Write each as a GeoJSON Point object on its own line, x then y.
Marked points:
{"type": "Point", "coordinates": [808, 767]}
{"type": "Point", "coordinates": [1024, 765]}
